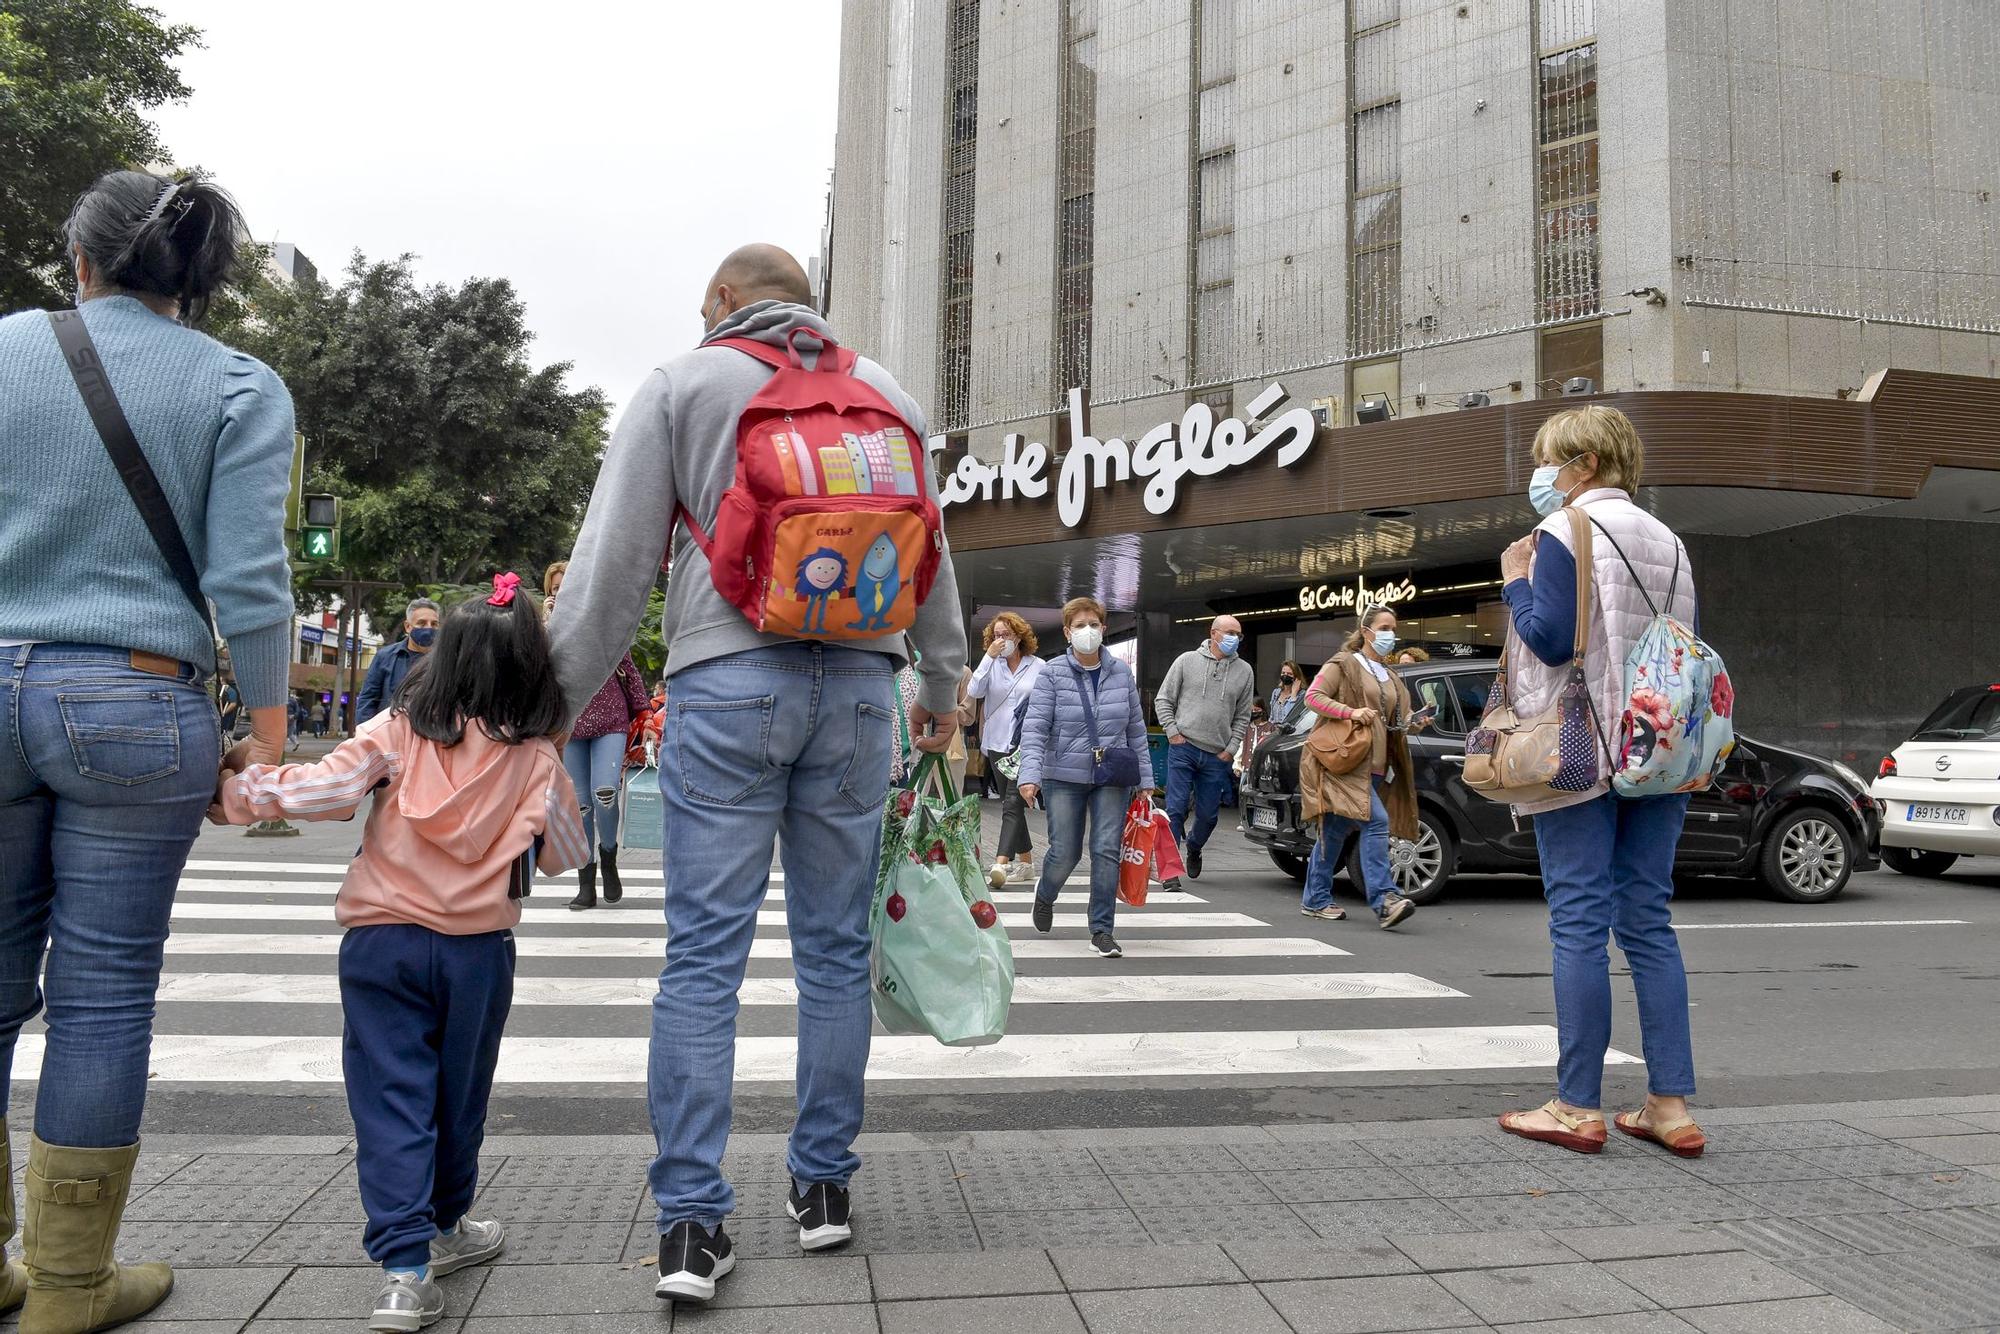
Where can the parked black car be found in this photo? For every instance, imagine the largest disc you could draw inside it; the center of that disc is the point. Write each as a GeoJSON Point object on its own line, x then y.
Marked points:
{"type": "Point", "coordinates": [1800, 824]}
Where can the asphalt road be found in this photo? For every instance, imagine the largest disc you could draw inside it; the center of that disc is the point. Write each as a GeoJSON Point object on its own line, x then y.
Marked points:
{"type": "Point", "coordinates": [1890, 991]}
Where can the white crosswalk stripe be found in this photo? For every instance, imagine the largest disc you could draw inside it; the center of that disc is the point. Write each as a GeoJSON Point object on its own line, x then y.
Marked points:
{"type": "Point", "coordinates": [250, 996]}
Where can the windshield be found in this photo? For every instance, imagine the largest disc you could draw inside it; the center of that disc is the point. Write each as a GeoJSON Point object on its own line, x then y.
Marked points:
{"type": "Point", "coordinates": [1969, 715]}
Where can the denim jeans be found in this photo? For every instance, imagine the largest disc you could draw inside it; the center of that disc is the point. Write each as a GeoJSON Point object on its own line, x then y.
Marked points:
{"type": "Point", "coordinates": [1069, 806]}
{"type": "Point", "coordinates": [1194, 778]}
{"type": "Point", "coordinates": [105, 773]}
{"type": "Point", "coordinates": [788, 744]}
{"type": "Point", "coordinates": [1608, 865]}
{"type": "Point", "coordinates": [1379, 880]}
{"type": "Point", "coordinates": [597, 772]}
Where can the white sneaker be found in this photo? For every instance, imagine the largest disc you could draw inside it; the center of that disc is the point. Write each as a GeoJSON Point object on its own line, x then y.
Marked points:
{"type": "Point", "coordinates": [1021, 873]}
{"type": "Point", "coordinates": [471, 1243]}
{"type": "Point", "coordinates": [406, 1303]}
{"type": "Point", "coordinates": [1001, 873]}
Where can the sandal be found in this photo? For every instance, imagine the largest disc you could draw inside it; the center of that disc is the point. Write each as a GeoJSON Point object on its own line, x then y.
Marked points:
{"type": "Point", "coordinates": [1572, 1136]}
{"type": "Point", "coordinates": [1682, 1138]}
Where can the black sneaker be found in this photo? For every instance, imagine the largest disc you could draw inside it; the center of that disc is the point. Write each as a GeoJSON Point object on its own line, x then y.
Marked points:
{"type": "Point", "coordinates": [691, 1259]}
{"type": "Point", "coordinates": [1103, 943]}
{"type": "Point", "coordinates": [821, 1211]}
{"type": "Point", "coordinates": [1044, 916]}
{"type": "Point", "coordinates": [1395, 908]}
{"type": "Point", "coordinates": [1172, 884]}
{"type": "Point", "coordinates": [1194, 863]}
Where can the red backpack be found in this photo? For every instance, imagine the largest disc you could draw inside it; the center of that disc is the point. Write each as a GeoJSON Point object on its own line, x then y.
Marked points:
{"type": "Point", "coordinates": [828, 531]}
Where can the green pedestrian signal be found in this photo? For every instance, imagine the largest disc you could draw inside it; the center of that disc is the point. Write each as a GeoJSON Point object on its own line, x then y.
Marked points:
{"type": "Point", "coordinates": [319, 543]}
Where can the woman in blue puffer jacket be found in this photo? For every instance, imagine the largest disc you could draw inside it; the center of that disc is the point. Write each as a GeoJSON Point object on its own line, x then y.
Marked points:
{"type": "Point", "coordinates": [1061, 758]}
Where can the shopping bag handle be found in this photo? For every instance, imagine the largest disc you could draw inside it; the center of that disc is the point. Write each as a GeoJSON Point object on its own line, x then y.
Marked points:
{"type": "Point", "coordinates": [933, 778]}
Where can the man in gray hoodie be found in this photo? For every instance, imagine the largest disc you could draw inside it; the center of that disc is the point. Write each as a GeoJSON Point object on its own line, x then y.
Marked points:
{"type": "Point", "coordinates": [1204, 705]}
{"type": "Point", "coordinates": [767, 740]}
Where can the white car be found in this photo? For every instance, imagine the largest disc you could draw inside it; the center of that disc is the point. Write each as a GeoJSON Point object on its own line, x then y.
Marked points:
{"type": "Point", "coordinates": [1940, 792]}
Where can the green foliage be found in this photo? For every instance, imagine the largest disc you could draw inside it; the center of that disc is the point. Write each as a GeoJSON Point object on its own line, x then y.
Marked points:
{"type": "Point", "coordinates": [76, 79]}
{"type": "Point", "coordinates": [452, 455]}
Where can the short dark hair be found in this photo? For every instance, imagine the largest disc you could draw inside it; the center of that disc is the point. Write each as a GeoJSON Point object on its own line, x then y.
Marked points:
{"type": "Point", "coordinates": [176, 236]}
{"type": "Point", "coordinates": [491, 665]}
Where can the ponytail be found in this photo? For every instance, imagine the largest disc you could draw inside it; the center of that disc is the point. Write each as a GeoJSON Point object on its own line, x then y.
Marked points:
{"type": "Point", "coordinates": [175, 236]}
{"type": "Point", "coordinates": [1361, 631]}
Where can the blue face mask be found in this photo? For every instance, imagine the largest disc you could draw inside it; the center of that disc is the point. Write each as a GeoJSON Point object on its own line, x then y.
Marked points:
{"type": "Point", "coordinates": [424, 637]}
{"type": "Point", "coordinates": [1543, 493]}
{"type": "Point", "coordinates": [1229, 645]}
{"type": "Point", "coordinates": [1385, 642]}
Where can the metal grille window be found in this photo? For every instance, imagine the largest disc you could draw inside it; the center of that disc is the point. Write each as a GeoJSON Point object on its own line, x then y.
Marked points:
{"type": "Point", "coordinates": [954, 380]}
{"type": "Point", "coordinates": [1566, 177]}
{"type": "Point", "coordinates": [1076, 239]}
{"type": "Point", "coordinates": [1212, 261]}
{"type": "Point", "coordinates": [1375, 289]}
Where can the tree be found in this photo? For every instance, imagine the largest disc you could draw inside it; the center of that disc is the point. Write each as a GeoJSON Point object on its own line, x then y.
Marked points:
{"type": "Point", "coordinates": [76, 79]}
{"type": "Point", "coordinates": [452, 455]}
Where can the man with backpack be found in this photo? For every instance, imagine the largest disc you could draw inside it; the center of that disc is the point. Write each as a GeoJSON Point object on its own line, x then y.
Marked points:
{"type": "Point", "coordinates": [806, 564]}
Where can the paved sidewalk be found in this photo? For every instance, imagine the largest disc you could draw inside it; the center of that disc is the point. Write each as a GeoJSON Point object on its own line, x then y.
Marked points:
{"type": "Point", "coordinates": [1837, 1219]}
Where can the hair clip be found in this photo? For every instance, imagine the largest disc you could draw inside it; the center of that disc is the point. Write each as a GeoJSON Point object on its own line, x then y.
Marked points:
{"type": "Point", "coordinates": [504, 587]}
{"type": "Point", "coordinates": [167, 197]}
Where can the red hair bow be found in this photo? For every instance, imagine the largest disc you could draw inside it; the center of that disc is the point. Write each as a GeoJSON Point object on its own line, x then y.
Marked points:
{"type": "Point", "coordinates": [504, 586]}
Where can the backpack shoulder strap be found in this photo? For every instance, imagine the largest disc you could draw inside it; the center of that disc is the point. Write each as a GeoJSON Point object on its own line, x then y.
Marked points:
{"type": "Point", "coordinates": [87, 369]}
{"type": "Point", "coordinates": [1637, 582]}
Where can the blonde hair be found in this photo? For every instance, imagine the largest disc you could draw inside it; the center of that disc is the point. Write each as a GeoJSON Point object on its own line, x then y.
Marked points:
{"type": "Point", "coordinates": [1594, 429]}
{"type": "Point", "coordinates": [1363, 629]}
{"type": "Point", "coordinates": [549, 575]}
{"type": "Point", "coordinates": [1024, 634]}
{"type": "Point", "coordinates": [1075, 607]}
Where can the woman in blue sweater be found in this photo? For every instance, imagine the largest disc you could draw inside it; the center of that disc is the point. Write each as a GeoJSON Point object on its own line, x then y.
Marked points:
{"type": "Point", "coordinates": [1084, 718]}
{"type": "Point", "coordinates": [109, 744]}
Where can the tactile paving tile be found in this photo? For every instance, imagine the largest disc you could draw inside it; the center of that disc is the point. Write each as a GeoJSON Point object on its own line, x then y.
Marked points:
{"type": "Point", "coordinates": [1789, 1135]}
{"type": "Point", "coordinates": [1376, 1218]}
{"type": "Point", "coordinates": [1173, 1190]}
{"type": "Point", "coordinates": [1138, 1159]}
{"type": "Point", "coordinates": [1730, 1169]}
{"type": "Point", "coordinates": [1937, 1190]}
{"type": "Point", "coordinates": [1951, 1288]}
{"type": "Point", "coordinates": [150, 1170]}
{"type": "Point", "coordinates": [1319, 1155]}
{"type": "Point", "coordinates": [1445, 1180]}
{"type": "Point", "coordinates": [1803, 1199]}
{"type": "Point", "coordinates": [1975, 1225]}
{"type": "Point", "coordinates": [564, 1243]}
{"type": "Point", "coordinates": [212, 1245]}
{"type": "Point", "coordinates": [1780, 1238]}
{"type": "Point", "coordinates": [313, 1244]}
{"type": "Point", "coordinates": [557, 1204]}
{"type": "Point", "coordinates": [1342, 1183]}
{"type": "Point", "coordinates": [262, 1169]}
{"type": "Point", "coordinates": [1874, 1161]}
{"type": "Point", "coordinates": [1418, 1149]}
{"type": "Point", "coordinates": [1572, 1172]}
{"type": "Point", "coordinates": [1033, 1163]}
{"type": "Point", "coordinates": [571, 1170]}
{"type": "Point", "coordinates": [1202, 1222]}
{"type": "Point", "coordinates": [336, 1202]}
{"type": "Point", "coordinates": [1003, 1192]}
{"type": "Point", "coordinates": [1505, 1213]}
{"type": "Point", "coordinates": [1876, 1234]}
{"type": "Point", "coordinates": [1693, 1203]}
{"type": "Point", "coordinates": [1061, 1227]}
{"type": "Point", "coordinates": [171, 1203]}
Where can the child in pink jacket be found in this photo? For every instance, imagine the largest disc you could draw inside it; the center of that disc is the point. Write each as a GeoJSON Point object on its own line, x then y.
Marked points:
{"type": "Point", "coordinates": [470, 797]}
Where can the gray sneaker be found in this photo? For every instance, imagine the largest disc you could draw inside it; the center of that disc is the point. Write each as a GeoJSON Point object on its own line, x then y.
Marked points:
{"type": "Point", "coordinates": [472, 1244]}
{"type": "Point", "coordinates": [1395, 908]}
{"type": "Point", "coordinates": [406, 1303]}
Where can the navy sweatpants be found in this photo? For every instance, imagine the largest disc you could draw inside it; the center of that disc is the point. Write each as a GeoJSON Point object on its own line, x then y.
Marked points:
{"type": "Point", "coordinates": [424, 1013]}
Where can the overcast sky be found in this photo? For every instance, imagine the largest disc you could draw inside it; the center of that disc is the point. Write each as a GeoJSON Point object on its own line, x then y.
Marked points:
{"type": "Point", "coordinates": [603, 156]}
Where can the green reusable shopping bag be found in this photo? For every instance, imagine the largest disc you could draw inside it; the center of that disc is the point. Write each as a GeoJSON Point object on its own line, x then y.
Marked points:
{"type": "Point", "coordinates": [940, 963]}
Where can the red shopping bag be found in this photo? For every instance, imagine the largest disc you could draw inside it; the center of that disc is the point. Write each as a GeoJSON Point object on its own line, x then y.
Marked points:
{"type": "Point", "coordinates": [1166, 853]}
{"type": "Point", "coordinates": [1136, 866]}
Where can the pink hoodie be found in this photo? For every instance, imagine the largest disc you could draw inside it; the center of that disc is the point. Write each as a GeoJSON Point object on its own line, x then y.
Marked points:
{"type": "Point", "coordinates": [445, 831]}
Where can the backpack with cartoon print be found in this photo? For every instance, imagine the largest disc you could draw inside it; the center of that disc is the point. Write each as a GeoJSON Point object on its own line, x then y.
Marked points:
{"type": "Point", "coordinates": [828, 531]}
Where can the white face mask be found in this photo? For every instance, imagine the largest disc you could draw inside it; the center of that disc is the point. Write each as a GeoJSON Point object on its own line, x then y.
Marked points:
{"type": "Point", "coordinates": [1087, 638]}
{"type": "Point", "coordinates": [1007, 645]}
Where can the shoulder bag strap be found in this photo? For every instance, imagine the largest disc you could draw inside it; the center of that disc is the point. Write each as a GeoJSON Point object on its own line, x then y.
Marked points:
{"type": "Point", "coordinates": [1089, 709]}
{"type": "Point", "coordinates": [1579, 532]}
{"type": "Point", "coordinates": [87, 369]}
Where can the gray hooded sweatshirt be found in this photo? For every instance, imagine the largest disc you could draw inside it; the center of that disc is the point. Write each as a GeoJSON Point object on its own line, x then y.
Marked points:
{"type": "Point", "coordinates": [676, 444]}
{"type": "Point", "coordinates": [1205, 699]}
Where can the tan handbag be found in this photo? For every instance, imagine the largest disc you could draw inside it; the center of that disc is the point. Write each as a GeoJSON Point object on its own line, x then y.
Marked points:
{"type": "Point", "coordinates": [1340, 745]}
{"type": "Point", "coordinates": [1523, 761]}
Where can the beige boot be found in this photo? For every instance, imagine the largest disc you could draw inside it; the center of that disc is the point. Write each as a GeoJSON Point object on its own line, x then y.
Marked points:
{"type": "Point", "coordinates": [13, 1278]}
{"type": "Point", "coordinates": [76, 1199]}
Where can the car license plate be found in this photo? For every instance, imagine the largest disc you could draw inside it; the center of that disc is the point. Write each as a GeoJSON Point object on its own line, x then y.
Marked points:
{"type": "Point", "coordinates": [1263, 817]}
{"type": "Point", "coordinates": [1937, 814]}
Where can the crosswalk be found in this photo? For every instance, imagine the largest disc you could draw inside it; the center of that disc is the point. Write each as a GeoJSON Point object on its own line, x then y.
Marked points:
{"type": "Point", "coordinates": [1208, 987]}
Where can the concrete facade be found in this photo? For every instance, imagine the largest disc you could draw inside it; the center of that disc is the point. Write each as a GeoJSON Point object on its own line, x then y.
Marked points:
{"type": "Point", "coordinates": [1720, 126]}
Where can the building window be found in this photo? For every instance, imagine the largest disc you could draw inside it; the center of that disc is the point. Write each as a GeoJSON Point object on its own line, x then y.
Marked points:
{"type": "Point", "coordinates": [1376, 379]}
{"type": "Point", "coordinates": [1077, 207]}
{"type": "Point", "coordinates": [1212, 241]}
{"type": "Point", "coordinates": [1566, 176]}
{"type": "Point", "coordinates": [1570, 351]}
{"type": "Point", "coordinates": [954, 379]}
{"type": "Point", "coordinates": [1375, 289]}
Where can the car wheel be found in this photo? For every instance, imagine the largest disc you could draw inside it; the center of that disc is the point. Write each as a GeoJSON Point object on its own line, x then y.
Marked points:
{"type": "Point", "coordinates": [1292, 865]}
{"type": "Point", "coordinates": [1916, 861]}
{"type": "Point", "coordinates": [1808, 857]}
{"type": "Point", "coordinates": [1421, 867]}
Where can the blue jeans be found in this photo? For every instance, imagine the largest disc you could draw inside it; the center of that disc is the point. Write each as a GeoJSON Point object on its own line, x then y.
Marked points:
{"type": "Point", "coordinates": [105, 773]}
{"type": "Point", "coordinates": [597, 771]}
{"type": "Point", "coordinates": [1608, 865]}
{"type": "Point", "coordinates": [789, 744]}
{"type": "Point", "coordinates": [422, 1013]}
{"type": "Point", "coordinates": [1375, 872]}
{"type": "Point", "coordinates": [1069, 805]}
{"type": "Point", "coordinates": [1194, 777]}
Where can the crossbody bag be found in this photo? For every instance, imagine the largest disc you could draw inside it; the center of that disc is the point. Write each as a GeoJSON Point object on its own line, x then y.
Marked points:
{"type": "Point", "coordinates": [1111, 766]}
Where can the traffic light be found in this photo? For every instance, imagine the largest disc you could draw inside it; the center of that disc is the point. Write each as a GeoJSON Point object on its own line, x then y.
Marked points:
{"type": "Point", "coordinates": [319, 528]}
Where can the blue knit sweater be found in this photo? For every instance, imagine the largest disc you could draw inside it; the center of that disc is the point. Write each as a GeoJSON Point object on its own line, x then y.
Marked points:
{"type": "Point", "coordinates": [77, 564]}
